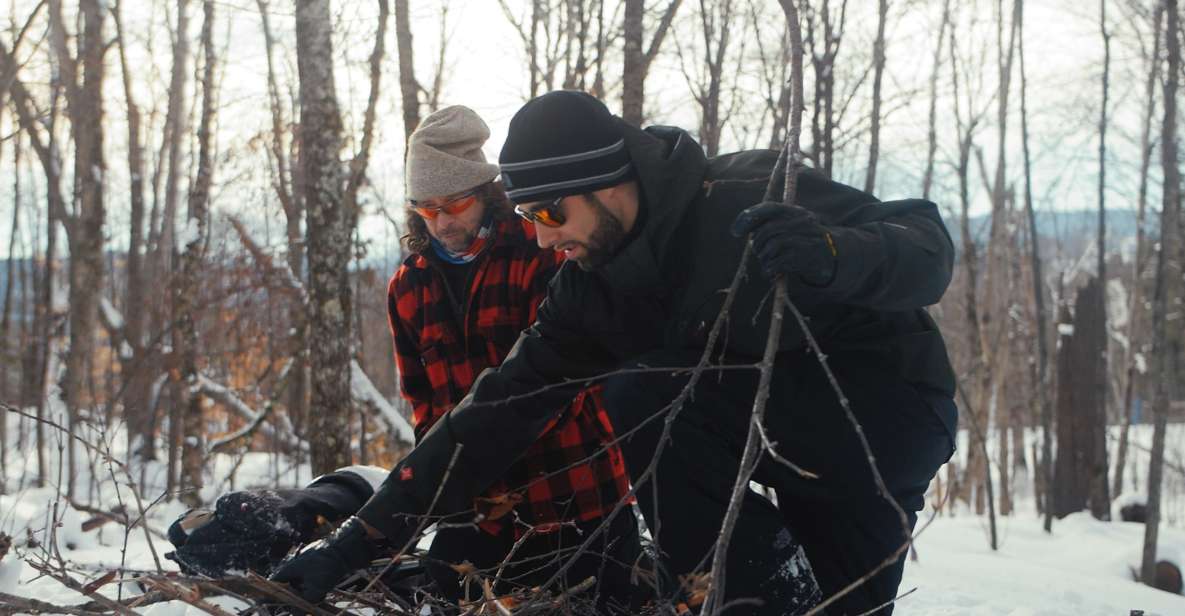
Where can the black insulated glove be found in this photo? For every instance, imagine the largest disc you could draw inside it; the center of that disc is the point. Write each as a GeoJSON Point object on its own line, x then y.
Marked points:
{"type": "Point", "coordinates": [789, 240]}
{"type": "Point", "coordinates": [324, 564]}
{"type": "Point", "coordinates": [253, 530]}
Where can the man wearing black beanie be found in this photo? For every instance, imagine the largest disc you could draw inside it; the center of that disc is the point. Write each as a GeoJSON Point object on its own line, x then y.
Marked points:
{"type": "Point", "coordinates": [656, 231]}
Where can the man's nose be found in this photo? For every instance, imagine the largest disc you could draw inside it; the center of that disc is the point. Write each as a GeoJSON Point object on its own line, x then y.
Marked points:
{"type": "Point", "coordinates": [546, 236]}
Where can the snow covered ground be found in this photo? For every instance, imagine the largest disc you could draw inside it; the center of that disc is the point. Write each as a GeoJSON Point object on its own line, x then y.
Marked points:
{"type": "Point", "coordinates": [1082, 569]}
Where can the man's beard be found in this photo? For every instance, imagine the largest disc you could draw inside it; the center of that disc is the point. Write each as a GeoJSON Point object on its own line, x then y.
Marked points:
{"type": "Point", "coordinates": [458, 240]}
{"type": "Point", "coordinates": [605, 240]}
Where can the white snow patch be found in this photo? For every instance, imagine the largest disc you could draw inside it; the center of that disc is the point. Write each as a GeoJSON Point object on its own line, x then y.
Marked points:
{"type": "Point", "coordinates": [1065, 329]}
{"type": "Point", "coordinates": [1117, 304]}
{"type": "Point", "coordinates": [191, 233]}
{"type": "Point", "coordinates": [110, 314]}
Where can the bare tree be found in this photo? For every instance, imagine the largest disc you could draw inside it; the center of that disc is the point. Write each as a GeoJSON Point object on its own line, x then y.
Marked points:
{"type": "Point", "coordinates": [409, 88]}
{"type": "Point", "coordinates": [637, 61]}
{"type": "Point", "coordinates": [135, 367]}
{"type": "Point", "coordinates": [43, 140]}
{"type": "Point", "coordinates": [186, 287]}
{"type": "Point", "coordinates": [707, 79]}
{"type": "Point", "coordinates": [970, 487]}
{"type": "Point", "coordinates": [878, 71]}
{"type": "Point", "coordinates": [1039, 366]}
{"type": "Point", "coordinates": [328, 236]}
{"type": "Point", "coordinates": [292, 203]}
{"type": "Point", "coordinates": [1136, 325]}
{"type": "Point", "coordinates": [176, 125]}
{"type": "Point", "coordinates": [84, 228]}
{"type": "Point", "coordinates": [6, 311]}
{"type": "Point", "coordinates": [824, 40]}
{"type": "Point", "coordinates": [1100, 498]}
{"type": "Point", "coordinates": [1168, 270]}
{"type": "Point", "coordinates": [1081, 457]}
{"type": "Point", "coordinates": [932, 134]}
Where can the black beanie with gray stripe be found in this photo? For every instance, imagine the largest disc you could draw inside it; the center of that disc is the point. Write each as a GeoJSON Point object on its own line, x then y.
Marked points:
{"type": "Point", "coordinates": [560, 144]}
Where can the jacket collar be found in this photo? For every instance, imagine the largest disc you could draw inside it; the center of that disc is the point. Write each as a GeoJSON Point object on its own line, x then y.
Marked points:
{"type": "Point", "coordinates": [670, 167]}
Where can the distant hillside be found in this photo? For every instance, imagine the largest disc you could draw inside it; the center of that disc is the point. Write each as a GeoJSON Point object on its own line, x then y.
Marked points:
{"type": "Point", "coordinates": [1070, 228]}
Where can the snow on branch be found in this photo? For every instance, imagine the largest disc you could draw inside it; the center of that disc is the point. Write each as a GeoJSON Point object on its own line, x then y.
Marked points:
{"type": "Point", "coordinates": [363, 390]}
{"type": "Point", "coordinates": [278, 270]}
{"type": "Point", "coordinates": [223, 395]}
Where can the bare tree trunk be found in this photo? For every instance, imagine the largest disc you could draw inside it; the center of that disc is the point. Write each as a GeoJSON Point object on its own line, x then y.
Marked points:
{"type": "Point", "coordinates": [975, 465]}
{"type": "Point", "coordinates": [1137, 338]}
{"type": "Point", "coordinates": [36, 360]}
{"type": "Point", "coordinates": [408, 86]}
{"type": "Point", "coordinates": [293, 206]}
{"type": "Point", "coordinates": [878, 72]}
{"type": "Point", "coordinates": [1167, 266]}
{"type": "Point", "coordinates": [162, 262]}
{"type": "Point", "coordinates": [135, 369]}
{"type": "Point", "coordinates": [6, 319]}
{"type": "Point", "coordinates": [533, 46]}
{"type": "Point", "coordinates": [1081, 459]}
{"type": "Point", "coordinates": [85, 231]}
{"type": "Point", "coordinates": [932, 135]}
{"type": "Point", "coordinates": [716, 24]}
{"type": "Point", "coordinates": [1041, 365]}
{"type": "Point", "coordinates": [823, 55]}
{"type": "Point", "coordinates": [1100, 498]}
{"type": "Point", "coordinates": [638, 61]}
{"type": "Point", "coordinates": [187, 287]}
{"type": "Point", "coordinates": [328, 232]}
{"type": "Point", "coordinates": [633, 76]}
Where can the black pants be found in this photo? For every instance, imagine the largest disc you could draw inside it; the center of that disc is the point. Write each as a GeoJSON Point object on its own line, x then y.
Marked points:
{"type": "Point", "coordinates": [845, 529]}
{"type": "Point", "coordinates": [609, 558]}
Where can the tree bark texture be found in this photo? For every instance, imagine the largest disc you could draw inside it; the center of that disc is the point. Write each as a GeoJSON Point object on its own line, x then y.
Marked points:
{"type": "Point", "coordinates": [135, 368]}
{"type": "Point", "coordinates": [328, 235]}
{"type": "Point", "coordinates": [1137, 324]}
{"type": "Point", "coordinates": [878, 71]}
{"type": "Point", "coordinates": [932, 133]}
{"type": "Point", "coordinates": [1081, 415]}
{"type": "Point", "coordinates": [408, 86]}
{"type": "Point", "coordinates": [187, 288]}
{"type": "Point", "coordinates": [85, 228]}
{"type": "Point", "coordinates": [633, 76]}
{"type": "Point", "coordinates": [824, 39]}
{"type": "Point", "coordinates": [1040, 365]}
{"type": "Point", "coordinates": [1168, 275]}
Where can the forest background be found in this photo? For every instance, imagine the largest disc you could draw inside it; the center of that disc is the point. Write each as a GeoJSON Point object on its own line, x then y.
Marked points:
{"type": "Point", "coordinates": [201, 200]}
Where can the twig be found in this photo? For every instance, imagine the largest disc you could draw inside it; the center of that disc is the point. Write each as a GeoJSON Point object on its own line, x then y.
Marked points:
{"type": "Point", "coordinates": [192, 597]}
{"type": "Point", "coordinates": [889, 602]}
{"type": "Point", "coordinates": [23, 604]}
{"type": "Point", "coordinates": [74, 585]}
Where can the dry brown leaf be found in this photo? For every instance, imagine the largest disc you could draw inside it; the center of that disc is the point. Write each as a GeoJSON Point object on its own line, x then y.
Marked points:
{"type": "Point", "coordinates": [496, 507]}
{"type": "Point", "coordinates": [99, 583]}
{"type": "Point", "coordinates": [465, 568]}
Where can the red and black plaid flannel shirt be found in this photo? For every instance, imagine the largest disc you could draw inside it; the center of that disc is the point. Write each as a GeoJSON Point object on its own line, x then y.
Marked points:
{"type": "Point", "coordinates": [438, 358]}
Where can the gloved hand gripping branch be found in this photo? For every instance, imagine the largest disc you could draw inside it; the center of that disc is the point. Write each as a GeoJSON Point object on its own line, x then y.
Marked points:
{"type": "Point", "coordinates": [789, 240]}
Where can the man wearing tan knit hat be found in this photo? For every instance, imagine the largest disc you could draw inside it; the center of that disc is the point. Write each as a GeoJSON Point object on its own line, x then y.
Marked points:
{"type": "Point", "coordinates": [473, 279]}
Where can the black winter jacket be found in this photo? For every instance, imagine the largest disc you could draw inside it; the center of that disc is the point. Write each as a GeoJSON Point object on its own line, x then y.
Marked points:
{"type": "Point", "coordinates": [664, 290]}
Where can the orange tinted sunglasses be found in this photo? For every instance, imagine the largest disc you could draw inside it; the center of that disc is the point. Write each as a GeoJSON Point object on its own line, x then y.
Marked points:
{"type": "Point", "coordinates": [452, 207]}
{"type": "Point", "coordinates": [550, 214]}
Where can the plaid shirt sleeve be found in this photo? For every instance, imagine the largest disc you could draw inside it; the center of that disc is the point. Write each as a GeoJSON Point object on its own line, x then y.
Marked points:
{"type": "Point", "coordinates": [413, 378]}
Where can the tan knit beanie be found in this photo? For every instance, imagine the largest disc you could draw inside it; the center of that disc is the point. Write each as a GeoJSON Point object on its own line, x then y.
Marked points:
{"type": "Point", "coordinates": [444, 154]}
